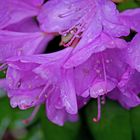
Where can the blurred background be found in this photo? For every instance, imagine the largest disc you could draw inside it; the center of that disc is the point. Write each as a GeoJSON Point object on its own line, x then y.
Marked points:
{"type": "Point", "coordinates": [116, 123]}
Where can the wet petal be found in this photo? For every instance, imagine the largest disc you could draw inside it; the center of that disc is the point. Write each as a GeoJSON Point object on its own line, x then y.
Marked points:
{"type": "Point", "coordinates": [101, 73]}
{"type": "Point", "coordinates": [111, 21]}
{"type": "Point", "coordinates": [68, 96]}
{"type": "Point", "coordinates": [25, 99]}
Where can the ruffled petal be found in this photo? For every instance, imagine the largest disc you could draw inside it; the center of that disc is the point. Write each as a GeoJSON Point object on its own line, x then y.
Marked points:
{"type": "Point", "coordinates": [25, 99]}
{"type": "Point", "coordinates": [112, 24]}
{"type": "Point", "coordinates": [128, 89]}
{"type": "Point", "coordinates": [57, 115]}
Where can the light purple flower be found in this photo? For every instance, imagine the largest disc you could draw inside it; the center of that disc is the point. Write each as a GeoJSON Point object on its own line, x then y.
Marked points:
{"type": "Point", "coordinates": [82, 21]}
{"type": "Point", "coordinates": [97, 63]}
{"type": "Point", "coordinates": [101, 73]}
{"type": "Point", "coordinates": [100, 44]}
{"type": "Point", "coordinates": [20, 34]}
{"type": "Point", "coordinates": [33, 80]}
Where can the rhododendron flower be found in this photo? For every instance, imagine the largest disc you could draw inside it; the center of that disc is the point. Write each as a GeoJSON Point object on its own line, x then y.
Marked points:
{"type": "Point", "coordinates": [82, 22]}
{"type": "Point", "coordinates": [20, 33]}
{"type": "Point", "coordinates": [101, 43]}
{"type": "Point", "coordinates": [101, 73]}
{"type": "Point", "coordinates": [22, 38]}
{"type": "Point", "coordinates": [12, 11]}
{"type": "Point", "coordinates": [96, 63]}
{"type": "Point", "coordinates": [26, 88]}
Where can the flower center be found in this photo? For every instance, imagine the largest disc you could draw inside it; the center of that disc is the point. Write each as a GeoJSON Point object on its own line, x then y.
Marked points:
{"type": "Point", "coordinates": [72, 36]}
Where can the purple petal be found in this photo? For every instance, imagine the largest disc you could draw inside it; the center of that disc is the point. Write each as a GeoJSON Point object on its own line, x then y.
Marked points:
{"type": "Point", "coordinates": [16, 44]}
{"type": "Point", "coordinates": [57, 114]}
{"type": "Point", "coordinates": [128, 89]}
{"type": "Point", "coordinates": [26, 79]}
{"type": "Point", "coordinates": [132, 53]}
{"type": "Point", "coordinates": [68, 93]}
{"type": "Point", "coordinates": [111, 22]}
{"type": "Point", "coordinates": [26, 25]}
{"type": "Point", "coordinates": [16, 10]}
{"type": "Point", "coordinates": [101, 73]}
{"type": "Point", "coordinates": [57, 16]}
{"type": "Point", "coordinates": [97, 45]}
{"type": "Point", "coordinates": [131, 18]}
{"type": "Point", "coordinates": [25, 99]}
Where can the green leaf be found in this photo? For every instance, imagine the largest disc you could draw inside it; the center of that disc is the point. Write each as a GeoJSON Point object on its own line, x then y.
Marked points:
{"type": "Point", "coordinates": [34, 133]}
{"type": "Point", "coordinates": [135, 122]}
{"type": "Point", "coordinates": [51, 131]}
{"type": "Point", "coordinates": [114, 123]}
{"type": "Point", "coordinates": [138, 2]}
{"type": "Point", "coordinates": [128, 4]}
{"type": "Point", "coordinates": [11, 118]}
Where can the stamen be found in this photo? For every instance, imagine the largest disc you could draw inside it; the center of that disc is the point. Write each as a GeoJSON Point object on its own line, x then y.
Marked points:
{"type": "Point", "coordinates": [97, 119]}
{"type": "Point", "coordinates": [42, 92]}
{"type": "Point", "coordinates": [28, 120]}
{"type": "Point", "coordinates": [76, 31]}
{"type": "Point", "coordinates": [103, 100]}
{"type": "Point", "coordinates": [105, 75]}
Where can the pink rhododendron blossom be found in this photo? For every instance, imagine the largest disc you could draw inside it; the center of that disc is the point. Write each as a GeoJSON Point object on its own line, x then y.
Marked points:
{"type": "Point", "coordinates": [100, 44]}
{"type": "Point", "coordinates": [97, 61]}
{"type": "Point", "coordinates": [30, 82]}
{"type": "Point", "coordinates": [47, 77]}
{"type": "Point", "coordinates": [82, 21]}
{"type": "Point", "coordinates": [20, 33]}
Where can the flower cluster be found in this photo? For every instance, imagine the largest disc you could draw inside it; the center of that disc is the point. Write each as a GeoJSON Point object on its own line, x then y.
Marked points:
{"type": "Point", "coordinates": [97, 61]}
